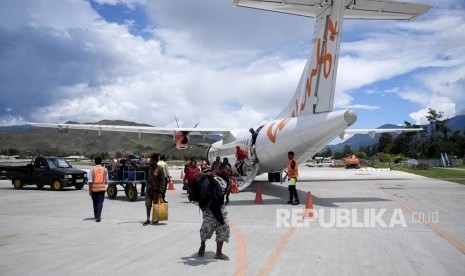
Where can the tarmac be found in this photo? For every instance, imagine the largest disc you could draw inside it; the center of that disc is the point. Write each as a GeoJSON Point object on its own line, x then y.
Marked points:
{"type": "Point", "coordinates": [365, 222]}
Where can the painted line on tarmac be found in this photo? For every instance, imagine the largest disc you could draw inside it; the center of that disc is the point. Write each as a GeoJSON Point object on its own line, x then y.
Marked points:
{"type": "Point", "coordinates": [433, 227]}
{"type": "Point", "coordinates": [272, 260]}
{"type": "Point", "coordinates": [241, 264]}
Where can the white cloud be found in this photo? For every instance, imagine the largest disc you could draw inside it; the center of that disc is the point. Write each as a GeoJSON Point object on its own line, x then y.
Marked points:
{"type": "Point", "coordinates": [207, 61]}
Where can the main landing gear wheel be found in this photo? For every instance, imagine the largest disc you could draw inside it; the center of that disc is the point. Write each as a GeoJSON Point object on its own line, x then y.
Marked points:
{"type": "Point", "coordinates": [274, 177]}
{"type": "Point", "coordinates": [112, 191]}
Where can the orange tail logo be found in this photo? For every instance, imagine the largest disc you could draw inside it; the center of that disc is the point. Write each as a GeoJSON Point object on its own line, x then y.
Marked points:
{"type": "Point", "coordinates": [272, 132]}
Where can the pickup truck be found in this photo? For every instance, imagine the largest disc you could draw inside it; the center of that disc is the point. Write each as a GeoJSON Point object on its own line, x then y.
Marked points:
{"type": "Point", "coordinates": [53, 171]}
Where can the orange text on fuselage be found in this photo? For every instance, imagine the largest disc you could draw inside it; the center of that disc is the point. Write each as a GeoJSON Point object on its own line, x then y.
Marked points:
{"type": "Point", "coordinates": [326, 59]}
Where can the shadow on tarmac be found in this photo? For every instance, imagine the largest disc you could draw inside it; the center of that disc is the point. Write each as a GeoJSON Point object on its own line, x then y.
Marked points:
{"type": "Point", "coordinates": [281, 196]}
{"type": "Point", "coordinates": [194, 260]}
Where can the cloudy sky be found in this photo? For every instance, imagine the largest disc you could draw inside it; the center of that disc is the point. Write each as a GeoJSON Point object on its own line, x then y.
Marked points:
{"type": "Point", "coordinates": [204, 60]}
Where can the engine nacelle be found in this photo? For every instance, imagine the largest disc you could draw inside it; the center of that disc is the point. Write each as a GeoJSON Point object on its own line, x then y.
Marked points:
{"type": "Point", "coordinates": [182, 139]}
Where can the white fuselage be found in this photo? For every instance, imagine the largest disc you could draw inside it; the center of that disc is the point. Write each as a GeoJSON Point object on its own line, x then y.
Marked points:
{"type": "Point", "coordinates": [305, 135]}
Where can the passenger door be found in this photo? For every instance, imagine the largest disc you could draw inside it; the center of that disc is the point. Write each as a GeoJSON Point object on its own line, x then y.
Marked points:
{"type": "Point", "coordinates": [42, 173]}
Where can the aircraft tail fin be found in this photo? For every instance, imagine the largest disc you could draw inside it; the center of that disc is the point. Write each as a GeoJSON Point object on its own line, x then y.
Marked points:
{"type": "Point", "coordinates": [316, 88]}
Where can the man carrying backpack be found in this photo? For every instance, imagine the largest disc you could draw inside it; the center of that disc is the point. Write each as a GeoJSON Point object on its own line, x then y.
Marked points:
{"type": "Point", "coordinates": [214, 213]}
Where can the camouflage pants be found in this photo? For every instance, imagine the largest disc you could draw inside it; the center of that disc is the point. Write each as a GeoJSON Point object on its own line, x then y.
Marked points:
{"type": "Point", "coordinates": [210, 225]}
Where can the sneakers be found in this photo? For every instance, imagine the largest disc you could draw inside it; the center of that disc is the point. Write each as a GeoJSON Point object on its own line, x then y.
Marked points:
{"type": "Point", "coordinates": [296, 202]}
{"type": "Point", "coordinates": [97, 219]}
{"type": "Point", "coordinates": [147, 222]}
{"type": "Point", "coordinates": [289, 202]}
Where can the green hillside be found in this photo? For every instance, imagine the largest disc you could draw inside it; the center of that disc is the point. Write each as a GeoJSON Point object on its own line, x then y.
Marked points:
{"type": "Point", "coordinates": [47, 141]}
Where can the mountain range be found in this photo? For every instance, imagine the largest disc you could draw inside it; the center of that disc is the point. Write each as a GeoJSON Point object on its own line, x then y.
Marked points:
{"type": "Point", "coordinates": [33, 139]}
{"type": "Point", "coordinates": [360, 140]}
{"type": "Point", "coordinates": [26, 138]}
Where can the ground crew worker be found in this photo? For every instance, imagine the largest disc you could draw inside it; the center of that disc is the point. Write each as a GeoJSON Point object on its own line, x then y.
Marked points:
{"type": "Point", "coordinates": [155, 184]}
{"type": "Point", "coordinates": [98, 179]}
{"type": "Point", "coordinates": [292, 174]}
{"type": "Point", "coordinates": [162, 163]}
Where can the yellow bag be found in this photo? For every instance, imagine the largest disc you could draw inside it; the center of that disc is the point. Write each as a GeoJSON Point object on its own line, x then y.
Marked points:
{"type": "Point", "coordinates": [160, 211]}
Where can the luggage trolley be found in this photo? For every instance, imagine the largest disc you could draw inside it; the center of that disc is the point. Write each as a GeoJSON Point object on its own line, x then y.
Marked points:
{"type": "Point", "coordinates": [128, 179]}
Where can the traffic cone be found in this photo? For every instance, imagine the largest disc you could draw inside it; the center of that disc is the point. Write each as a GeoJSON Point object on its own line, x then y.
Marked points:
{"type": "Point", "coordinates": [258, 195]}
{"type": "Point", "coordinates": [171, 185]}
{"type": "Point", "coordinates": [308, 212]}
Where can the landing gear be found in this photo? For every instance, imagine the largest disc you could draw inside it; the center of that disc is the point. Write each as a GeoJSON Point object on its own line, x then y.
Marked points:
{"type": "Point", "coordinates": [275, 177]}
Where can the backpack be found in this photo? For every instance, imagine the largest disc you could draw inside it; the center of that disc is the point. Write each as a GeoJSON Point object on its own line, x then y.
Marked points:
{"type": "Point", "coordinates": [207, 189]}
{"type": "Point", "coordinates": [201, 192]}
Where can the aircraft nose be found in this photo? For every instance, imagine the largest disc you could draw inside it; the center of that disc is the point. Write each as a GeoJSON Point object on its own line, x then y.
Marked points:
{"type": "Point", "coordinates": [350, 117]}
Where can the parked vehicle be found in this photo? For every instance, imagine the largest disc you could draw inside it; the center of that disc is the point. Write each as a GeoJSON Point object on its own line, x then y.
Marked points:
{"type": "Point", "coordinates": [42, 171]}
{"type": "Point", "coordinates": [352, 162]}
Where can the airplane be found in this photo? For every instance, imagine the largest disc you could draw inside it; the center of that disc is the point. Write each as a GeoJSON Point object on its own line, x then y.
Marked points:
{"type": "Point", "coordinates": [307, 123]}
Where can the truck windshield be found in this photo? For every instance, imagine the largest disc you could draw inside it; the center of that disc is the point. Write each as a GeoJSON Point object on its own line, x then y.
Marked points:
{"type": "Point", "coordinates": [58, 163]}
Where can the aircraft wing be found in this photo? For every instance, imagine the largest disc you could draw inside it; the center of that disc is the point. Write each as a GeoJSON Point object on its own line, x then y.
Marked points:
{"type": "Point", "coordinates": [136, 129]}
{"type": "Point", "coordinates": [372, 132]}
{"type": "Point", "coordinates": [355, 9]}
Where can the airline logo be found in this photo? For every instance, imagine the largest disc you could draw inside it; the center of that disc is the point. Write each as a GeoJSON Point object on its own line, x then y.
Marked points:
{"type": "Point", "coordinates": [273, 131]}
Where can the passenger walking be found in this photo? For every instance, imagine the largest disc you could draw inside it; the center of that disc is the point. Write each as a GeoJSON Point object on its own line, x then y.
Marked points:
{"type": "Point", "coordinates": [241, 155]}
{"type": "Point", "coordinates": [203, 165]}
{"type": "Point", "coordinates": [292, 174]}
{"type": "Point", "coordinates": [190, 176]}
{"type": "Point", "coordinates": [226, 167]}
{"type": "Point", "coordinates": [155, 184]}
{"type": "Point", "coordinates": [98, 179]}
{"type": "Point", "coordinates": [216, 165]}
{"type": "Point", "coordinates": [214, 216]}
{"type": "Point", "coordinates": [162, 163]}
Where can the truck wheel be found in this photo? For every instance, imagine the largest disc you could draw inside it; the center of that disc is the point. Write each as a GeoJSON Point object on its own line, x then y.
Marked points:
{"type": "Point", "coordinates": [112, 191]}
{"type": "Point", "coordinates": [40, 186]}
{"type": "Point", "coordinates": [132, 193]}
{"type": "Point", "coordinates": [18, 184]}
{"type": "Point", "coordinates": [56, 185]}
{"type": "Point", "coordinates": [79, 186]}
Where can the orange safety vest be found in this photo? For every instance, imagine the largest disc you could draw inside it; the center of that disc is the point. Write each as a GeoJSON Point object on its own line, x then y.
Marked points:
{"type": "Point", "coordinates": [292, 173]}
{"type": "Point", "coordinates": [98, 178]}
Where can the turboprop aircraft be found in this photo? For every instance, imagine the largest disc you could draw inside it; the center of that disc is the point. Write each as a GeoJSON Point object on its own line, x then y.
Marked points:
{"type": "Point", "coordinates": [307, 123]}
